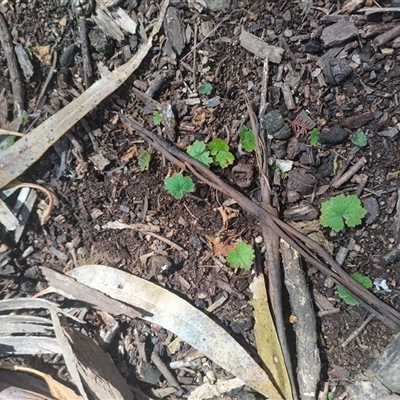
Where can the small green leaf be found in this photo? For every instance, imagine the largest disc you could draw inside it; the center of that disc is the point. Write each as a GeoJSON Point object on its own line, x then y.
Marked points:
{"type": "Point", "coordinates": [340, 210]}
{"type": "Point", "coordinates": [241, 256]}
{"type": "Point", "coordinates": [177, 185]}
{"type": "Point", "coordinates": [361, 279]}
{"type": "Point", "coordinates": [157, 118]}
{"type": "Point", "coordinates": [198, 151]}
{"type": "Point", "coordinates": [314, 137]}
{"type": "Point", "coordinates": [205, 88]}
{"type": "Point", "coordinates": [144, 160]}
{"type": "Point", "coordinates": [224, 158]}
{"type": "Point", "coordinates": [217, 145]}
{"type": "Point", "coordinates": [220, 151]}
{"type": "Point", "coordinates": [359, 139]}
{"type": "Point", "coordinates": [247, 139]}
{"type": "Point", "coordinates": [24, 117]}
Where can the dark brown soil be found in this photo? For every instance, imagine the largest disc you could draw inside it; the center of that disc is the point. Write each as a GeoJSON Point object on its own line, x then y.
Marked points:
{"type": "Point", "coordinates": [89, 196]}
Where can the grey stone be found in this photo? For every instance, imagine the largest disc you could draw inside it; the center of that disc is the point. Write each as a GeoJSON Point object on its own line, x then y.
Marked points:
{"type": "Point", "coordinates": [335, 135]}
{"type": "Point", "coordinates": [276, 126]}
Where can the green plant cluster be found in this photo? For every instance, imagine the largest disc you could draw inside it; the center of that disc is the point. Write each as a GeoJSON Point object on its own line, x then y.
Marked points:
{"type": "Point", "coordinates": [217, 152]}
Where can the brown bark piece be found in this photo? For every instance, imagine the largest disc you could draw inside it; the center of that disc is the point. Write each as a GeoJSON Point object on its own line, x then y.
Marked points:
{"type": "Point", "coordinates": [175, 30]}
{"type": "Point", "coordinates": [308, 360]}
{"type": "Point", "coordinates": [338, 33]}
{"type": "Point", "coordinates": [387, 36]}
{"type": "Point", "coordinates": [357, 121]}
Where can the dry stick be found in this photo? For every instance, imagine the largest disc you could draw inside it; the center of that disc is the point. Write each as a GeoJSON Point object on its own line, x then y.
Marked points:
{"type": "Point", "coordinates": [13, 67]}
{"type": "Point", "coordinates": [357, 331]}
{"type": "Point", "coordinates": [87, 65]}
{"type": "Point", "coordinates": [382, 39]}
{"type": "Point", "coordinates": [306, 332]}
{"type": "Point", "coordinates": [308, 359]}
{"type": "Point", "coordinates": [307, 247]}
{"type": "Point", "coordinates": [346, 176]}
{"type": "Point", "coordinates": [271, 241]}
{"type": "Point", "coordinates": [50, 74]}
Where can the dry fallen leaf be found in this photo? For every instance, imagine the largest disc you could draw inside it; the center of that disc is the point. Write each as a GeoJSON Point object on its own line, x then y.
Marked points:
{"type": "Point", "coordinates": [268, 346]}
{"type": "Point", "coordinates": [178, 316]}
{"type": "Point", "coordinates": [56, 389]}
{"type": "Point", "coordinates": [220, 248]}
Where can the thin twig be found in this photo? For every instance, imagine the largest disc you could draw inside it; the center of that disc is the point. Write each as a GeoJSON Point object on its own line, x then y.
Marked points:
{"type": "Point", "coordinates": [13, 67]}
{"type": "Point", "coordinates": [347, 175]}
{"type": "Point", "coordinates": [357, 331]}
{"type": "Point", "coordinates": [40, 99]}
{"type": "Point", "coordinates": [5, 132]}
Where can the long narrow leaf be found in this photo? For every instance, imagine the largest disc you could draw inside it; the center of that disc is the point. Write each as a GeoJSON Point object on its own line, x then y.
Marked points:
{"type": "Point", "coordinates": [178, 316]}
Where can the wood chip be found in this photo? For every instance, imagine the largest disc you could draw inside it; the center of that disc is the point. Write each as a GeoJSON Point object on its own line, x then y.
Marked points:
{"type": "Point", "coordinates": [260, 48]}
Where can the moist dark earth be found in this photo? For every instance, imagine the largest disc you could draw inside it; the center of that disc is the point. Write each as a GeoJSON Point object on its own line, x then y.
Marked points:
{"type": "Point", "coordinates": [101, 181]}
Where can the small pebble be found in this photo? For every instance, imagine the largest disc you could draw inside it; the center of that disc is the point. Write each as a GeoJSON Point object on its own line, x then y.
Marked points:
{"type": "Point", "coordinates": [335, 135]}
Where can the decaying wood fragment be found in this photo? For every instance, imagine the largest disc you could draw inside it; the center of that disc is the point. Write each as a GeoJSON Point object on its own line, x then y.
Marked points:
{"type": "Point", "coordinates": [387, 36]}
{"type": "Point", "coordinates": [13, 67]}
{"type": "Point", "coordinates": [338, 33]}
{"type": "Point", "coordinates": [308, 360]}
{"type": "Point", "coordinates": [259, 48]}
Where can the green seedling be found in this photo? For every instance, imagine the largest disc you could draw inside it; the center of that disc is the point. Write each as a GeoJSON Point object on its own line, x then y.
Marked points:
{"type": "Point", "coordinates": [346, 297]}
{"type": "Point", "coordinates": [242, 256]}
{"type": "Point", "coordinates": [314, 137]}
{"type": "Point", "coordinates": [220, 152]}
{"type": "Point", "coordinates": [177, 185]}
{"type": "Point", "coordinates": [144, 160]}
{"type": "Point", "coordinates": [24, 117]}
{"type": "Point", "coordinates": [205, 88]}
{"type": "Point", "coordinates": [359, 139]}
{"type": "Point", "coordinates": [247, 139]}
{"type": "Point", "coordinates": [341, 210]}
{"type": "Point", "coordinates": [199, 151]}
{"type": "Point", "coordinates": [157, 118]}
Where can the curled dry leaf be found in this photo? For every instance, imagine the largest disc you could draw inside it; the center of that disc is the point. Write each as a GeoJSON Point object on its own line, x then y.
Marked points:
{"type": "Point", "coordinates": [179, 317]}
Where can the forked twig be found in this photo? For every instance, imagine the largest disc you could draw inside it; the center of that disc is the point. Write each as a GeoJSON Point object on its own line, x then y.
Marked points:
{"type": "Point", "coordinates": [308, 248]}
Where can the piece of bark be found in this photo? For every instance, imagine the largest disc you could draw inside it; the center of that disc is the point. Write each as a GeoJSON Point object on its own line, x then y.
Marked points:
{"type": "Point", "coordinates": [175, 30]}
{"type": "Point", "coordinates": [328, 56]}
{"type": "Point", "coordinates": [351, 5]}
{"type": "Point", "coordinates": [338, 33]}
{"type": "Point", "coordinates": [382, 39]}
{"type": "Point", "coordinates": [107, 25]}
{"type": "Point", "coordinates": [382, 379]}
{"type": "Point", "coordinates": [357, 121]}
{"type": "Point", "coordinates": [100, 374]}
{"type": "Point", "coordinates": [87, 63]}
{"type": "Point", "coordinates": [12, 63]}
{"type": "Point", "coordinates": [336, 71]}
{"type": "Point", "coordinates": [301, 212]}
{"type": "Point", "coordinates": [376, 29]}
{"type": "Point", "coordinates": [259, 48]}
{"type": "Point", "coordinates": [308, 360]}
